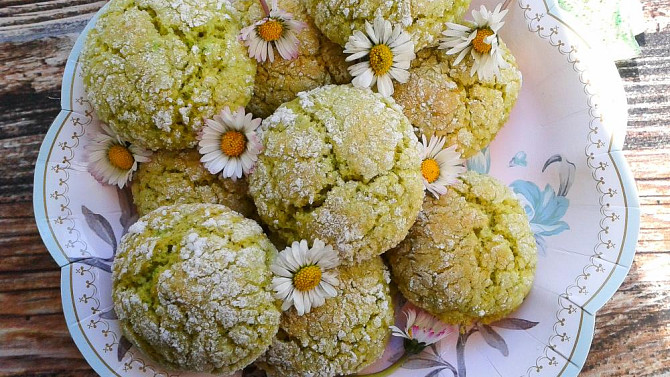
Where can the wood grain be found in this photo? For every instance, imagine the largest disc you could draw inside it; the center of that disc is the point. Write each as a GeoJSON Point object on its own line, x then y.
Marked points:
{"type": "Point", "coordinates": [632, 335]}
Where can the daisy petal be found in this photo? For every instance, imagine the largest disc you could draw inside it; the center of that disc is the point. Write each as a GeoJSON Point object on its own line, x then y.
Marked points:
{"type": "Point", "coordinates": [385, 85]}
{"type": "Point", "coordinates": [364, 80]}
{"type": "Point", "coordinates": [291, 261]}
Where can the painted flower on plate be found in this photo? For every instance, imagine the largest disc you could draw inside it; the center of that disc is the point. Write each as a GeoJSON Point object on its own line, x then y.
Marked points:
{"type": "Point", "coordinates": [480, 162]}
{"type": "Point", "coordinates": [544, 208]}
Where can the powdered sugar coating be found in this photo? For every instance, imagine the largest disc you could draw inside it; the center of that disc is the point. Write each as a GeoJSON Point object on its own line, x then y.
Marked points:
{"type": "Point", "coordinates": [191, 287]}
{"type": "Point", "coordinates": [345, 335]}
{"type": "Point", "coordinates": [179, 178]}
{"type": "Point", "coordinates": [340, 164]}
{"type": "Point", "coordinates": [423, 19]}
{"type": "Point", "coordinates": [470, 256]}
{"type": "Point", "coordinates": [443, 99]}
{"type": "Point", "coordinates": [153, 69]}
{"type": "Point", "coordinates": [249, 11]}
{"type": "Point", "coordinates": [319, 62]}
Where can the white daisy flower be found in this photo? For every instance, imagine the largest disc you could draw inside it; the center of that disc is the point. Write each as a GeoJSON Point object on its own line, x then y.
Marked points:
{"type": "Point", "coordinates": [303, 276]}
{"type": "Point", "coordinates": [229, 143]}
{"type": "Point", "coordinates": [111, 160]}
{"type": "Point", "coordinates": [421, 330]}
{"type": "Point", "coordinates": [480, 40]}
{"type": "Point", "coordinates": [440, 167]}
{"type": "Point", "coordinates": [387, 52]}
{"type": "Point", "coordinates": [278, 29]}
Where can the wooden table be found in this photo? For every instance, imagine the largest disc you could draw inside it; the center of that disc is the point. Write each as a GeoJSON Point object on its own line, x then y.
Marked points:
{"type": "Point", "coordinates": [632, 331]}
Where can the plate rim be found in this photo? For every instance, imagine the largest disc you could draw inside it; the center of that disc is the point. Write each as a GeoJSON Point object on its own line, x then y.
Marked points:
{"type": "Point", "coordinates": [585, 335]}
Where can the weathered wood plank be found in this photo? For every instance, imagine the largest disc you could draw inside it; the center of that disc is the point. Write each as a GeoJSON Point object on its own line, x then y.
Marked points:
{"type": "Point", "coordinates": [47, 29]}
{"type": "Point", "coordinates": [645, 163]}
{"type": "Point", "coordinates": [20, 335]}
{"type": "Point", "coordinates": [27, 14]}
{"type": "Point", "coordinates": [23, 71]}
{"type": "Point", "coordinates": [15, 209]}
{"type": "Point", "coordinates": [644, 331]}
{"type": "Point", "coordinates": [28, 7]}
{"type": "Point", "coordinates": [648, 90]}
{"type": "Point", "coordinates": [36, 37]}
{"type": "Point", "coordinates": [22, 263]}
{"type": "Point", "coordinates": [29, 303]}
{"type": "Point", "coordinates": [39, 366]}
{"type": "Point", "coordinates": [16, 227]}
{"type": "Point", "coordinates": [27, 280]}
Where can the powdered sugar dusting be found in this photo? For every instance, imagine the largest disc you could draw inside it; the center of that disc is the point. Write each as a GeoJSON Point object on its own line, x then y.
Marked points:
{"type": "Point", "coordinates": [340, 338]}
{"type": "Point", "coordinates": [344, 169]}
{"type": "Point", "coordinates": [147, 68]}
{"type": "Point", "coordinates": [423, 19]}
{"type": "Point", "coordinates": [191, 285]}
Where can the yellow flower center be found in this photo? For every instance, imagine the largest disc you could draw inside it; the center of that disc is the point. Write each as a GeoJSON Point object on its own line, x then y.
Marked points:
{"type": "Point", "coordinates": [233, 143]}
{"type": "Point", "coordinates": [430, 170]}
{"type": "Point", "coordinates": [479, 44]}
{"type": "Point", "coordinates": [120, 157]}
{"type": "Point", "coordinates": [307, 278]}
{"type": "Point", "coordinates": [381, 59]}
{"type": "Point", "coordinates": [271, 30]}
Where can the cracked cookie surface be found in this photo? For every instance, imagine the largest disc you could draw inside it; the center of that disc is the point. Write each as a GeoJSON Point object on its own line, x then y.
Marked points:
{"type": "Point", "coordinates": [470, 256]}
{"type": "Point", "coordinates": [191, 288]}
{"type": "Point", "coordinates": [423, 19]}
{"type": "Point", "coordinates": [154, 69]}
{"type": "Point", "coordinates": [319, 62]}
{"type": "Point", "coordinates": [345, 335]}
{"type": "Point", "coordinates": [180, 178]}
{"type": "Point", "coordinates": [444, 99]}
{"type": "Point", "coordinates": [340, 164]}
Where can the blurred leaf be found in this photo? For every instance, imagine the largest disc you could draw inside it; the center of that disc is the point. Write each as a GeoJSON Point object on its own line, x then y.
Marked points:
{"type": "Point", "coordinates": [494, 339]}
{"type": "Point", "coordinates": [460, 354]}
{"type": "Point", "coordinates": [93, 261]}
{"type": "Point", "coordinates": [434, 354]}
{"type": "Point", "coordinates": [109, 314]}
{"type": "Point", "coordinates": [435, 372]}
{"type": "Point", "coordinates": [420, 363]}
{"type": "Point", "coordinates": [566, 173]}
{"type": "Point", "coordinates": [395, 357]}
{"type": "Point", "coordinates": [100, 226]}
{"type": "Point", "coordinates": [124, 346]}
{"type": "Point", "coordinates": [128, 213]}
{"type": "Point", "coordinates": [514, 324]}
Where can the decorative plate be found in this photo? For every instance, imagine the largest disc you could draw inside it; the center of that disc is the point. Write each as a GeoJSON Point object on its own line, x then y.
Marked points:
{"type": "Point", "coordinates": [560, 152]}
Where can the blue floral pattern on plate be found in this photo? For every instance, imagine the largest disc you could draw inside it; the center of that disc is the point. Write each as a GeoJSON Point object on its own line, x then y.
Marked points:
{"type": "Point", "coordinates": [545, 208]}
{"type": "Point", "coordinates": [519, 159]}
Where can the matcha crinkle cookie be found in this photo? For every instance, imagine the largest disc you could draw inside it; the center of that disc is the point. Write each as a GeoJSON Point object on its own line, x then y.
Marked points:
{"type": "Point", "coordinates": [154, 69]}
{"type": "Point", "coordinates": [319, 62]}
{"type": "Point", "coordinates": [180, 178]}
{"type": "Point", "coordinates": [345, 335]}
{"type": "Point", "coordinates": [471, 254]}
{"type": "Point", "coordinates": [424, 20]}
{"type": "Point", "coordinates": [444, 99]}
{"type": "Point", "coordinates": [191, 288]}
{"type": "Point", "coordinates": [249, 11]}
{"type": "Point", "coordinates": [340, 164]}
